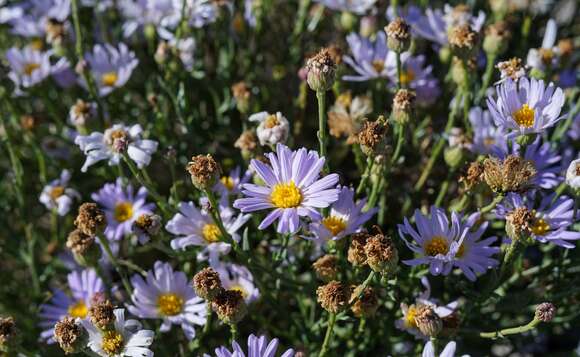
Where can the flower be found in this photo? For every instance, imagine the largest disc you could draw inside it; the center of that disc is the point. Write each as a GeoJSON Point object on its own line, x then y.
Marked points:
{"type": "Point", "coordinates": [122, 207]}
{"type": "Point", "coordinates": [345, 217]}
{"type": "Point", "coordinates": [196, 227]}
{"type": "Point", "coordinates": [511, 68]}
{"type": "Point", "coordinates": [272, 128]}
{"type": "Point", "coordinates": [573, 174]}
{"type": "Point", "coordinates": [110, 66]}
{"type": "Point", "coordinates": [345, 117]}
{"type": "Point", "coordinates": [527, 106]}
{"type": "Point", "coordinates": [415, 75]}
{"type": "Point", "coordinates": [84, 286]}
{"type": "Point", "coordinates": [257, 347]}
{"type": "Point", "coordinates": [292, 188]}
{"type": "Point", "coordinates": [198, 13]}
{"type": "Point", "coordinates": [547, 56]}
{"type": "Point", "coordinates": [126, 338]}
{"type": "Point", "coordinates": [115, 141]}
{"type": "Point", "coordinates": [232, 183]}
{"type": "Point", "coordinates": [487, 137]}
{"type": "Point", "coordinates": [82, 112]}
{"type": "Point", "coordinates": [550, 222]}
{"type": "Point", "coordinates": [542, 157]}
{"type": "Point", "coordinates": [238, 277]}
{"type": "Point", "coordinates": [448, 350]}
{"type": "Point", "coordinates": [29, 67]}
{"type": "Point", "coordinates": [443, 247]}
{"type": "Point", "coordinates": [369, 59]}
{"type": "Point", "coordinates": [167, 295]}
{"type": "Point", "coordinates": [359, 7]}
{"type": "Point", "coordinates": [140, 14]}
{"type": "Point", "coordinates": [57, 196]}
{"type": "Point", "coordinates": [34, 16]}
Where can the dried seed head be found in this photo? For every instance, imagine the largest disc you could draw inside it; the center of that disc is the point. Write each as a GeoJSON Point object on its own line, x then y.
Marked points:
{"type": "Point", "coordinates": [463, 41]}
{"type": "Point", "coordinates": [205, 171]}
{"type": "Point", "coordinates": [7, 331]}
{"type": "Point", "coordinates": [55, 31]}
{"type": "Point", "coordinates": [356, 251]}
{"type": "Point", "coordinates": [373, 136]}
{"type": "Point", "coordinates": [398, 35]}
{"type": "Point", "coordinates": [91, 219]}
{"type": "Point", "coordinates": [382, 255]}
{"type": "Point", "coordinates": [514, 174]}
{"type": "Point", "coordinates": [27, 122]}
{"type": "Point", "coordinates": [334, 296]}
{"type": "Point", "coordinates": [83, 247]}
{"type": "Point", "coordinates": [473, 175]}
{"type": "Point", "coordinates": [69, 335]}
{"type": "Point", "coordinates": [101, 314]}
{"type": "Point", "coordinates": [326, 268]}
{"type": "Point", "coordinates": [321, 70]}
{"type": "Point", "coordinates": [496, 37]}
{"type": "Point", "coordinates": [230, 306]}
{"type": "Point", "coordinates": [335, 53]}
{"type": "Point", "coordinates": [519, 222]}
{"type": "Point", "coordinates": [207, 284]}
{"type": "Point", "coordinates": [242, 95]}
{"type": "Point", "coordinates": [512, 68]}
{"type": "Point", "coordinates": [367, 305]}
{"type": "Point", "coordinates": [427, 321]}
{"type": "Point", "coordinates": [247, 143]}
{"type": "Point", "coordinates": [545, 312]}
{"type": "Point", "coordinates": [403, 105]}
{"type": "Point", "coordinates": [147, 224]}
{"type": "Point", "coordinates": [565, 47]}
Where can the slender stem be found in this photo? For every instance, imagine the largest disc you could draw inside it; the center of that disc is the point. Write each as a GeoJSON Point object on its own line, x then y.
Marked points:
{"type": "Point", "coordinates": [328, 336]}
{"type": "Point", "coordinates": [435, 345]}
{"type": "Point", "coordinates": [365, 176]}
{"type": "Point", "coordinates": [145, 181]}
{"type": "Point", "coordinates": [233, 332]}
{"type": "Point", "coordinates": [225, 236]}
{"type": "Point", "coordinates": [442, 192]}
{"type": "Point", "coordinates": [321, 97]}
{"type": "Point", "coordinates": [400, 141]}
{"type": "Point", "coordinates": [486, 77]}
{"type": "Point", "coordinates": [361, 288]}
{"type": "Point", "coordinates": [54, 224]}
{"type": "Point", "coordinates": [399, 71]}
{"type": "Point", "coordinates": [107, 248]}
{"type": "Point", "coordinates": [492, 205]}
{"type": "Point", "coordinates": [510, 256]}
{"type": "Point", "coordinates": [209, 315]}
{"type": "Point", "coordinates": [511, 331]}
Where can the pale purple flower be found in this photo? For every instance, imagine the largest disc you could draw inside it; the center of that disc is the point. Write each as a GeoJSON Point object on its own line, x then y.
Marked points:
{"type": "Point", "coordinates": [231, 184]}
{"type": "Point", "coordinates": [84, 286]}
{"type": "Point", "coordinates": [574, 131]}
{"type": "Point", "coordinates": [358, 7]}
{"type": "Point", "coordinates": [238, 277]}
{"type": "Point", "coordinates": [448, 350]}
{"type": "Point", "coordinates": [57, 195]}
{"type": "Point", "coordinates": [122, 207]}
{"type": "Point", "coordinates": [292, 188]}
{"type": "Point", "coordinates": [168, 295]}
{"type": "Point", "coordinates": [249, 9]}
{"type": "Point", "coordinates": [525, 107]}
{"type": "Point", "coordinates": [29, 67]}
{"type": "Point", "coordinates": [198, 13]}
{"type": "Point", "coordinates": [36, 13]}
{"type": "Point", "coordinates": [110, 66]}
{"type": "Point", "coordinates": [415, 75]}
{"type": "Point", "coordinates": [487, 137]}
{"type": "Point", "coordinates": [257, 347]}
{"type": "Point", "coordinates": [344, 218]}
{"type": "Point", "coordinates": [141, 13]}
{"type": "Point", "coordinates": [369, 59]}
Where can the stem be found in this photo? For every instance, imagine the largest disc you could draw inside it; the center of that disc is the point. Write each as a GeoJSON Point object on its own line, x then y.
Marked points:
{"type": "Point", "coordinates": [361, 288]}
{"type": "Point", "coordinates": [145, 181]}
{"type": "Point", "coordinates": [207, 325]}
{"type": "Point", "coordinates": [54, 224]}
{"type": "Point", "coordinates": [328, 336]}
{"type": "Point", "coordinates": [434, 343]}
{"type": "Point", "coordinates": [399, 71]}
{"type": "Point", "coordinates": [486, 77]}
{"type": "Point", "coordinates": [365, 176]}
{"type": "Point", "coordinates": [107, 248]}
{"type": "Point", "coordinates": [511, 331]}
{"type": "Point", "coordinates": [321, 97]}
{"type": "Point", "coordinates": [234, 332]}
{"type": "Point", "coordinates": [492, 205]}
{"type": "Point", "coordinates": [400, 140]}
{"type": "Point", "coordinates": [218, 219]}
{"type": "Point", "coordinates": [509, 256]}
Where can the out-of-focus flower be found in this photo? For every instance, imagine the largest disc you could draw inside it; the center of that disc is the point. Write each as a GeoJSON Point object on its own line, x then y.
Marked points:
{"type": "Point", "coordinates": [369, 59]}
{"type": "Point", "coordinates": [122, 207]}
{"type": "Point", "coordinates": [551, 221]}
{"type": "Point", "coordinates": [238, 277]}
{"type": "Point", "coordinates": [82, 112]}
{"type": "Point", "coordinates": [167, 295]}
{"type": "Point", "coordinates": [143, 13]}
{"type": "Point", "coordinates": [345, 117]}
{"type": "Point", "coordinates": [358, 7]}
{"type": "Point", "coordinates": [146, 226]}
{"type": "Point", "coordinates": [547, 56]}
{"type": "Point", "coordinates": [56, 195]}
{"type": "Point", "coordinates": [292, 188]}
{"type": "Point", "coordinates": [415, 75]}
{"type": "Point", "coordinates": [448, 350]}
{"type": "Point", "coordinates": [185, 50]}
{"type": "Point", "coordinates": [443, 247]}
{"type": "Point", "coordinates": [35, 15]}
{"type": "Point", "coordinates": [486, 136]}
{"type": "Point", "coordinates": [525, 107]}
{"type": "Point", "coordinates": [29, 67]}
{"type": "Point", "coordinates": [230, 306]}
{"type": "Point", "coordinates": [345, 218]}
{"type": "Point", "coordinates": [231, 184]}
{"type": "Point", "coordinates": [333, 297]}
{"type": "Point", "coordinates": [573, 174]}
{"type": "Point", "coordinates": [197, 13]}
{"type": "Point", "coordinates": [115, 141]}
{"type": "Point", "coordinates": [110, 66]}
{"type": "Point", "coordinates": [272, 128]}
{"type": "Point", "coordinates": [84, 287]}
{"type": "Point", "coordinates": [125, 338]}
{"type": "Point", "coordinates": [512, 69]}
{"type": "Point", "coordinates": [196, 227]}
{"type": "Point", "coordinates": [257, 347]}
{"type": "Point", "coordinates": [70, 335]}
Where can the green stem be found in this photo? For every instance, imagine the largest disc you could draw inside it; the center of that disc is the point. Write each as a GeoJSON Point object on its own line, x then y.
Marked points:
{"type": "Point", "coordinates": [399, 70]}
{"type": "Point", "coordinates": [486, 77]}
{"type": "Point", "coordinates": [328, 336]}
{"type": "Point", "coordinates": [233, 332]}
{"type": "Point", "coordinates": [144, 180]}
{"type": "Point", "coordinates": [492, 205]}
{"type": "Point", "coordinates": [400, 141]}
{"type": "Point", "coordinates": [359, 291]}
{"type": "Point", "coordinates": [321, 97]}
{"type": "Point", "coordinates": [365, 176]}
{"type": "Point", "coordinates": [107, 248]}
{"type": "Point", "coordinates": [511, 331]}
{"type": "Point", "coordinates": [225, 236]}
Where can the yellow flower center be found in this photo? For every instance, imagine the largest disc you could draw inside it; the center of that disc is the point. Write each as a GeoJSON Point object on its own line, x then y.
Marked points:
{"type": "Point", "coordinates": [410, 317]}
{"type": "Point", "coordinates": [547, 55]}
{"type": "Point", "coordinates": [460, 251]}
{"type": "Point", "coordinates": [109, 79]}
{"type": "Point", "coordinates": [170, 304]}
{"type": "Point", "coordinates": [112, 342]}
{"type": "Point", "coordinates": [286, 195]}
{"type": "Point", "coordinates": [240, 289]}
{"type": "Point", "coordinates": [407, 77]}
{"type": "Point", "coordinates": [56, 192]}
{"type": "Point", "coordinates": [30, 67]}
{"type": "Point", "coordinates": [37, 44]}
{"type": "Point", "coordinates": [79, 310]}
{"type": "Point", "coordinates": [345, 99]}
{"type": "Point", "coordinates": [211, 233]}
{"type": "Point", "coordinates": [228, 182]}
{"type": "Point", "coordinates": [437, 245]}
{"type": "Point", "coordinates": [524, 116]}
{"type": "Point", "coordinates": [541, 227]}
{"type": "Point", "coordinates": [123, 211]}
{"type": "Point", "coordinates": [271, 121]}
{"type": "Point", "coordinates": [334, 224]}
{"type": "Point", "coordinates": [378, 65]}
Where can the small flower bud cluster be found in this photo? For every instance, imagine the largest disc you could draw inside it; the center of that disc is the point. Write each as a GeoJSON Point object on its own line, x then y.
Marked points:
{"type": "Point", "coordinates": [428, 321]}
{"type": "Point", "coordinates": [545, 312]}
{"type": "Point", "coordinates": [90, 221]}
{"type": "Point", "coordinates": [403, 105]}
{"type": "Point", "coordinates": [463, 41]}
{"type": "Point", "coordinates": [373, 137]}
{"type": "Point", "coordinates": [101, 314]}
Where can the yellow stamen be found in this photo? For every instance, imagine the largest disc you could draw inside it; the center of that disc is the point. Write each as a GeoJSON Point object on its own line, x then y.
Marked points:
{"type": "Point", "coordinates": [228, 182]}
{"type": "Point", "coordinates": [56, 192]}
{"type": "Point", "coordinates": [211, 233]}
{"type": "Point", "coordinates": [170, 304]}
{"type": "Point", "coordinates": [410, 317]}
{"type": "Point", "coordinates": [271, 121]}
{"type": "Point", "coordinates": [378, 65]}
{"type": "Point", "coordinates": [37, 44]}
{"type": "Point", "coordinates": [407, 77]}
{"type": "Point", "coordinates": [334, 224]}
{"type": "Point", "coordinates": [460, 251]}
{"type": "Point", "coordinates": [286, 195]}
{"type": "Point", "coordinates": [112, 342]}
{"type": "Point", "coordinates": [30, 67]}
{"type": "Point", "coordinates": [123, 211]}
{"type": "Point", "coordinates": [240, 289]}
{"type": "Point", "coordinates": [437, 245]}
{"type": "Point", "coordinates": [525, 116]}
{"type": "Point", "coordinates": [79, 310]}
{"type": "Point", "coordinates": [541, 227]}
{"type": "Point", "coordinates": [109, 79]}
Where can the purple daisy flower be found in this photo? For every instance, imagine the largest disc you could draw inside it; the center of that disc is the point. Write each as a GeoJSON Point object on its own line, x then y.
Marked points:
{"type": "Point", "coordinates": [443, 247]}
{"type": "Point", "coordinates": [57, 196]}
{"type": "Point", "coordinates": [369, 59]}
{"type": "Point", "coordinates": [553, 219]}
{"type": "Point", "coordinates": [28, 67]}
{"type": "Point", "coordinates": [345, 217]}
{"type": "Point", "coordinates": [232, 183]}
{"type": "Point", "coordinates": [111, 67]}
{"type": "Point", "coordinates": [257, 347]}
{"type": "Point", "coordinates": [238, 277]}
{"type": "Point", "coordinates": [527, 106]}
{"type": "Point", "coordinates": [84, 286]}
{"type": "Point", "coordinates": [358, 7]}
{"type": "Point", "coordinates": [546, 161]}
{"type": "Point", "coordinates": [122, 207]}
{"type": "Point", "coordinates": [167, 295]}
{"type": "Point", "coordinates": [487, 137]}
{"type": "Point", "coordinates": [292, 188]}
{"type": "Point", "coordinates": [141, 13]}
{"type": "Point", "coordinates": [415, 75]}
{"type": "Point", "coordinates": [35, 15]}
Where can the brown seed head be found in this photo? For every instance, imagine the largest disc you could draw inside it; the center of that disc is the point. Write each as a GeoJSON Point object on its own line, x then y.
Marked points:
{"type": "Point", "coordinates": [148, 224]}
{"type": "Point", "coordinates": [334, 296]}
{"type": "Point", "coordinates": [473, 175]}
{"type": "Point", "coordinates": [91, 219]}
{"type": "Point", "coordinates": [512, 68]}
{"type": "Point", "coordinates": [463, 40]}
{"type": "Point", "coordinates": [242, 95]}
{"type": "Point", "coordinates": [326, 267]}
{"type": "Point", "coordinates": [79, 243]}
{"type": "Point", "coordinates": [204, 170]}
{"type": "Point", "coordinates": [7, 330]}
{"type": "Point", "coordinates": [519, 222]}
{"type": "Point", "coordinates": [403, 105]}
{"type": "Point", "coordinates": [514, 174]}
{"type": "Point", "coordinates": [69, 335]}
{"type": "Point", "coordinates": [247, 143]}
{"type": "Point", "coordinates": [427, 321]}
{"type": "Point", "coordinates": [230, 306]}
{"type": "Point", "coordinates": [356, 251]}
{"type": "Point", "coordinates": [207, 284]}
{"type": "Point", "coordinates": [545, 312]}
{"type": "Point", "coordinates": [398, 35]}
{"type": "Point", "coordinates": [367, 305]}
{"type": "Point", "coordinates": [321, 70]}
{"type": "Point", "coordinates": [372, 137]}
{"type": "Point", "coordinates": [382, 255]}
{"type": "Point", "coordinates": [101, 314]}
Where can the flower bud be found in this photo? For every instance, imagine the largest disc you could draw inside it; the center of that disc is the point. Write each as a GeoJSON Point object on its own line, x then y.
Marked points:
{"type": "Point", "coordinates": [545, 312]}
{"type": "Point", "coordinates": [347, 21]}
{"type": "Point", "coordinates": [333, 297]}
{"type": "Point", "coordinates": [496, 38]}
{"type": "Point", "coordinates": [91, 219]}
{"type": "Point", "coordinates": [82, 112]}
{"type": "Point", "coordinates": [573, 175]}
{"type": "Point", "coordinates": [242, 95]}
{"type": "Point", "coordinates": [398, 35]}
{"type": "Point", "coordinates": [519, 222]}
{"type": "Point", "coordinates": [205, 172]}
{"type": "Point", "coordinates": [207, 284]}
{"type": "Point", "coordinates": [321, 71]}
{"type": "Point", "coordinates": [70, 335]}
{"type": "Point", "coordinates": [326, 268]}
{"type": "Point", "coordinates": [230, 306]}
{"type": "Point", "coordinates": [512, 68]}
{"type": "Point", "coordinates": [473, 175]}
{"type": "Point", "coordinates": [382, 255]}
{"type": "Point", "coordinates": [365, 305]}
{"type": "Point", "coordinates": [463, 41]}
{"type": "Point", "coordinates": [427, 321]}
